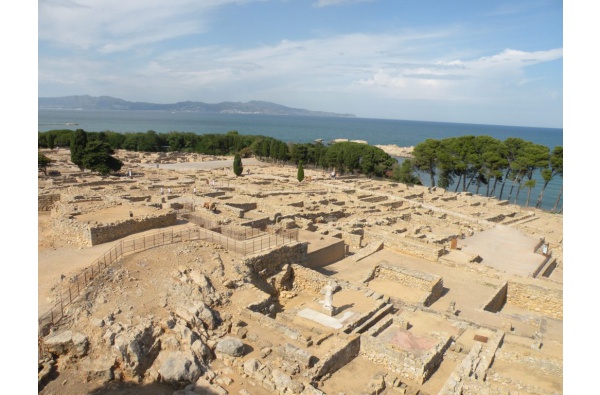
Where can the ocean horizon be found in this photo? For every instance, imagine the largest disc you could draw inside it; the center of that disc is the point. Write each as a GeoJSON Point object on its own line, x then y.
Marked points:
{"type": "Point", "coordinates": [305, 129]}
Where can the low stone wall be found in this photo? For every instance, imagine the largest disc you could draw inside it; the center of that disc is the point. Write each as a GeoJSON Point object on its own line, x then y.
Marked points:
{"type": "Point", "coordinates": [470, 374]}
{"type": "Point", "coordinates": [481, 270]}
{"type": "Point", "coordinates": [429, 283]}
{"type": "Point", "coordinates": [549, 366]}
{"type": "Point", "coordinates": [137, 198]}
{"type": "Point", "coordinates": [104, 233]}
{"type": "Point", "coordinates": [268, 263]}
{"type": "Point", "coordinates": [46, 202]}
{"type": "Point", "coordinates": [354, 240]}
{"type": "Point", "coordinates": [260, 223]}
{"type": "Point", "coordinates": [336, 359]}
{"type": "Point", "coordinates": [274, 325]}
{"type": "Point", "coordinates": [535, 298]}
{"type": "Point", "coordinates": [405, 246]}
{"type": "Point", "coordinates": [403, 362]}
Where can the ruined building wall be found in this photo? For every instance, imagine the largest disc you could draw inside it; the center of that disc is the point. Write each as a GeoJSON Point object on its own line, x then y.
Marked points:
{"type": "Point", "coordinates": [395, 359]}
{"type": "Point", "coordinates": [407, 277]}
{"type": "Point", "coordinates": [336, 359]}
{"type": "Point", "coordinates": [268, 263]}
{"type": "Point", "coordinates": [307, 280]}
{"type": "Point", "coordinates": [531, 297]}
{"type": "Point", "coordinates": [433, 285]}
{"type": "Point", "coordinates": [46, 202]}
{"type": "Point", "coordinates": [327, 255]}
{"type": "Point", "coordinates": [498, 301]}
{"type": "Point", "coordinates": [104, 233]}
{"type": "Point", "coordinates": [421, 250]}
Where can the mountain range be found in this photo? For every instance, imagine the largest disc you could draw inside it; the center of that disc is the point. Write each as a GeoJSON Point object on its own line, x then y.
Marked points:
{"type": "Point", "coordinates": [86, 102]}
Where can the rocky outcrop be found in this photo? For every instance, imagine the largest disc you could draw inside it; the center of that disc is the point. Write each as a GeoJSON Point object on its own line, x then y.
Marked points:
{"type": "Point", "coordinates": [68, 343]}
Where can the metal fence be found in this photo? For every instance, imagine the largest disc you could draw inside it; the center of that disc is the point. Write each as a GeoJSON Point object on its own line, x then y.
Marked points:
{"type": "Point", "coordinates": [76, 285]}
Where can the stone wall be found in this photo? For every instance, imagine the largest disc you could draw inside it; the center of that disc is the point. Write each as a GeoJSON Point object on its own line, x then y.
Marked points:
{"type": "Point", "coordinates": [421, 250]}
{"type": "Point", "coordinates": [535, 298]}
{"type": "Point", "coordinates": [547, 365]}
{"type": "Point", "coordinates": [403, 362]}
{"type": "Point", "coordinates": [307, 280]}
{"type": "Point", "coordinates": [498, 301]}
{"type": "Point", "coordinates": [268, 263]}
{"type": "Point", "coordinates": [71, 230]}
{"type": "Point", "coordinates": [46, 202]}
{"type": "Point", "coordinates": [336, 359]}
{"type": "Point", "coordinates": [354, 240]}
{"type": "Point", "coordinates": [277, 326]}
{"type": "Point", "coordinates": [471, 373]}
{"type": "Point", "coordinates": [99, 234]}
{"type": "Point", "coordinates": [326, 255]}
{"type": "Point", "coordinates": [429, 283]}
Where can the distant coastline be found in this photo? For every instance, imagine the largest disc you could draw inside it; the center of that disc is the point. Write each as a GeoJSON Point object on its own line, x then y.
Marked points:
{"type": "Point", "coordinates": [107, 103]}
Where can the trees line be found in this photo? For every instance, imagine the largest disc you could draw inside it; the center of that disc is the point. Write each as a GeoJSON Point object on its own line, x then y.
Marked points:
{"type": "Point", "coordinates": [484, 161]}
{"type": "Point", "coordinates": [343, 157]}
{"type": "Point", "coordinates": [479, 161]}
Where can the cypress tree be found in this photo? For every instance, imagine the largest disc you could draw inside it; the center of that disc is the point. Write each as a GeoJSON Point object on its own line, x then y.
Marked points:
{"type": "Point", "coordinates": [300, 172]}
{"type": "Point", "coordinates": [238, 168]}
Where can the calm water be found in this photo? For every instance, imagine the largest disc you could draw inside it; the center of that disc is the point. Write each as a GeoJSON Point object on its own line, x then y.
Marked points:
{"type": "Point", "coordinates": [304, 129]}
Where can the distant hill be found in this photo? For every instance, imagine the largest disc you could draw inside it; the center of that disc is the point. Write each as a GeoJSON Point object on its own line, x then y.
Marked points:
{"type": "Point", "coordinates": [86, 102]}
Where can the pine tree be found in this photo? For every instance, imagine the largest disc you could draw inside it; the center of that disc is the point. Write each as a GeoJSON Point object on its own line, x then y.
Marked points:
{"type": "Point", "coordinates": [238, 168]}
{"type": "Point", "coordinates": [78, 144]}
{"type": "Point", "coordinates": [300, 172]}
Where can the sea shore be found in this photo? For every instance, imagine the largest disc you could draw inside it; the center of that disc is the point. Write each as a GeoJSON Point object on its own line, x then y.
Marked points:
{"type": "Point", "coordinates": [394, 150]}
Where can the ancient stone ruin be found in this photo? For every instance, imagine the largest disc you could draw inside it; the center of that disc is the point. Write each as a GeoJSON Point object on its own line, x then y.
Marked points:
{"type": "Point", "coordinates": [264, 285]}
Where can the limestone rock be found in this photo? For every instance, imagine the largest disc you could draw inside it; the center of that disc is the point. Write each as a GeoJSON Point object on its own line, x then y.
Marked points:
{"type": "Point", "coordinates": [251, 366]}
{"type": "Point", "coordinates": [137, 347]}
{"type": "Point", "coordinates": [99, 368]}
{"type": "Point", "coordinates": [231, 346]}
{"type": "Point", "coordinates": [281, 380]}
{"type": "Point", "coordinates": [68, 342]}
{"type": "Point", "coordinates": [177, 366]}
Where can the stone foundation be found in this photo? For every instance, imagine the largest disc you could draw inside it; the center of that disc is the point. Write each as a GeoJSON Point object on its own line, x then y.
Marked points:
{"type": "Point", "coordinates": [535, 298]}
{"type": "Point", "coordinates": [46, 202]}
{"type": "Point", "coordinates": [431, 284]}
{"type": "Point", "coordinates": [105, 233]}
{"type": "Point", "coordinates": [416, 367]}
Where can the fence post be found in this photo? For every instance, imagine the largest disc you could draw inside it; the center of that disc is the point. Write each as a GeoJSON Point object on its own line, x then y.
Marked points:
{"type": "Point", "coordinates": [70, 294]}
{"type": "Point", "coordinates": [61, 306]}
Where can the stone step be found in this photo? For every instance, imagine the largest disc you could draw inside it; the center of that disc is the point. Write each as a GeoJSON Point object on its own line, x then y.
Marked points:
{"type": "Point", "coordinates": [378, 315]}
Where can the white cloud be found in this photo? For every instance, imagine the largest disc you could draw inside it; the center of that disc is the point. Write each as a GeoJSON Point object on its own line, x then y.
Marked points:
{"type": "Point", "coordinates": [361, 73]}
{"type": "Point", "coordinates": [116, 25]}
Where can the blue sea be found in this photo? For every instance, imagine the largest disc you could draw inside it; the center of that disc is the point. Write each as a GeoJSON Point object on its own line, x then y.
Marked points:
{"type": "Point", "coordinates": [300, 129]}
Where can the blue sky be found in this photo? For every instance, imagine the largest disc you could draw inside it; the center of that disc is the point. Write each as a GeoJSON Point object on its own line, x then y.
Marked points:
{"type": "Point", "coordinates": [489, 62]}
